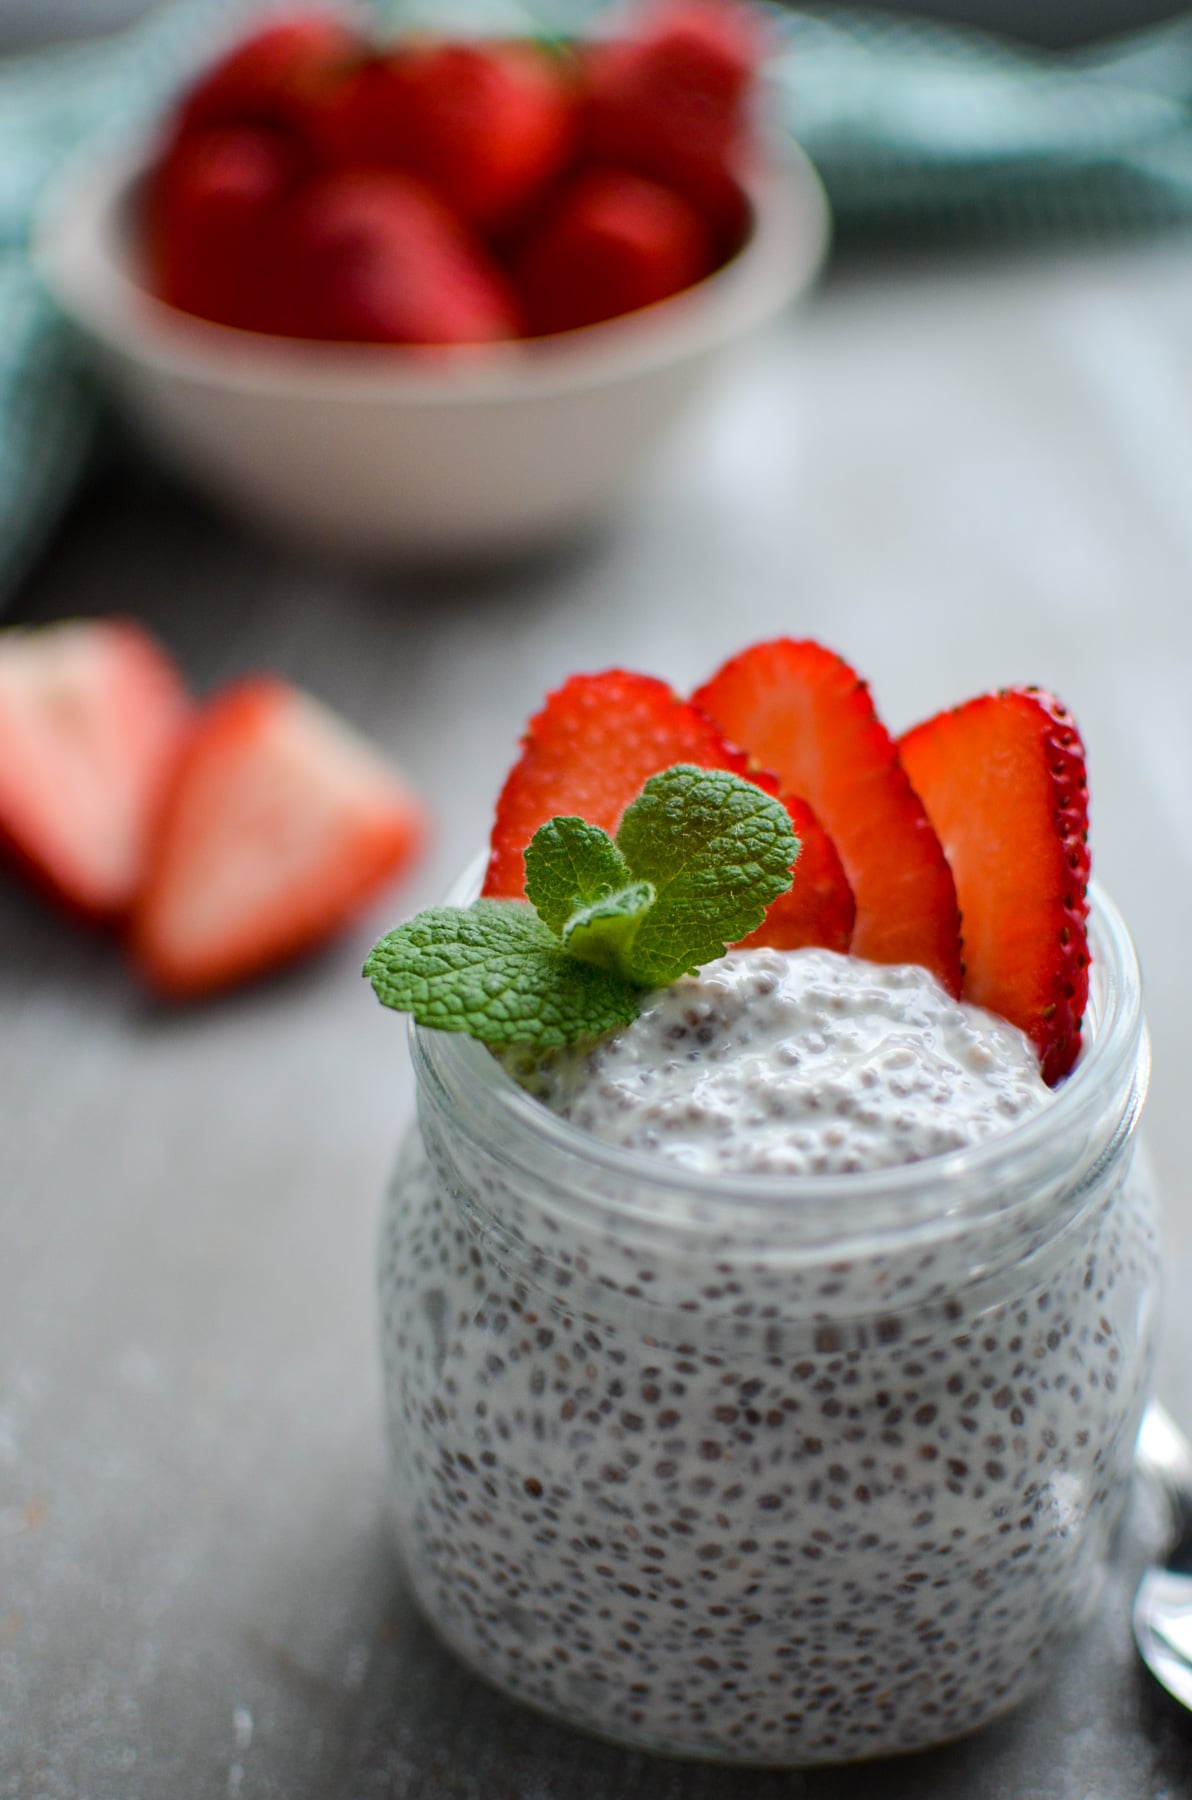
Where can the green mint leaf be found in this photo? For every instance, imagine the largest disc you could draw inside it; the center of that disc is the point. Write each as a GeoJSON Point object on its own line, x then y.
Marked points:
{"type": "Point", "coordinates": [604, 933]}
{"type": "Point", "coordinates": [496, 971]}
{"type": "Point", "coordinates": [717, 851]}
{"type": "Point", "coordinates": [571, 865]}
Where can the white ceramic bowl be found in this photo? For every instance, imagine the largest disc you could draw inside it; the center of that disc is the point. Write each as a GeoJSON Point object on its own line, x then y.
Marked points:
{"type": "Point", "coordinates": [389, 452]}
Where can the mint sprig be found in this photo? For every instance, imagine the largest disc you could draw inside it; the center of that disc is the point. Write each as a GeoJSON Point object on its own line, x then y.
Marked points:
{"type": "Point", "coordinates": [699, 856]}
{"type": "Point", "coordinates": [494, 970]}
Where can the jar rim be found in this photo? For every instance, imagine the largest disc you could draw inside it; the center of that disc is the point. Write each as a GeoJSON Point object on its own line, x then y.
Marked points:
{"type": "Point", "coordinates": [1091, 1108]}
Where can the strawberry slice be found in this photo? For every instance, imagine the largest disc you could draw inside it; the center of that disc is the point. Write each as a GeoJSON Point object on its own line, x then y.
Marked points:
{"type": "Point", "coordinates": [804, 713]}
{"type": "Point", "coordinates": [589, 751]}
{"type": "Point", "coordinates": [280, 825]}
{"type": "Point", "coordinates": [92, 714]}
{"type": "Point", "coordinates": [818, 908]}
{"type": "Point", "coordinates": [597, 740]}
{"type": "Point", "coordinates": [610, 243]}
{"type": "Point", "coordinates": [1003, 778]}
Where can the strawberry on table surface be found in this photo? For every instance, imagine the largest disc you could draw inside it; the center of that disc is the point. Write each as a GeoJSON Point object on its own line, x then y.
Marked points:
{"type": "Point", "coordinates": [371, 255]}
{"type": "Point", "coordinates": [801, 711]}
{"type": "Point", "coordinates": [92, 715]}
{"type": "Point", "coordinates": [610, 243]}
{"type": "Point", "coordinates": [1003, 778]}
{"type": "Point", "coordinates": [487, 125]}
{"type": "Point", "coordinates": [279, 825]}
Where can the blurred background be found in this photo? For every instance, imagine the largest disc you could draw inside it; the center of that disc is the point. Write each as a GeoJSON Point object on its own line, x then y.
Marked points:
{"type": "Point", "coordinates": [1050, 22]}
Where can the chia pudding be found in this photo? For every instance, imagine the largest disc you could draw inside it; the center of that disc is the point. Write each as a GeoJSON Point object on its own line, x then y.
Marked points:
{"type": "Point", "coordinates": [763, 1382]}
{"type": "Point", "coordinates": [795, 1063]}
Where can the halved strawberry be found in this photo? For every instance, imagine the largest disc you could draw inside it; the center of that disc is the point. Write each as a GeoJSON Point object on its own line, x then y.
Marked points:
{"type": "Point", "coordinates": [487, 125]}
{"type": "Point", "coordinates": [1003, 779]}
{"type": "Point", "coordinates": [92, 714]}
{"type": "Point", "coordinates": [803, 712]}
{"type": "Point", "coordinates": [610, 243]}
{"type": "Point", "coordinates": [279, 825]}
{"type": "Point", "coordinates": [589, 751]}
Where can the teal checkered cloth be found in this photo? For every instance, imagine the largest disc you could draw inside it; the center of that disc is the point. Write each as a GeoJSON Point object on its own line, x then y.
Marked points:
{"type": "Point", "coordinates": [920, 131]}
{"type": "Point", "coordinates": [51, 103]}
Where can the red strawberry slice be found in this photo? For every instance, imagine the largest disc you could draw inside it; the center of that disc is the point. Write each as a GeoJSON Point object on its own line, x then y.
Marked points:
{"type": "Point", "coordinates": [803, 712]}
{"type": "Point", "coordinates": [284, 76]}
{"type": "Point", "coordinates": [1003, 778]}
{"type": "Point", "coordinates": [818, 908]}
{"type": "Point", "coordinates": [369, 255]}
{"type": "Point", "coordinates": [671, 101]}
{"type": "Point", "coordinates": [590, 750]}
{"type": "Point", "coordinates": [611, 242]}
{"type": "Point", "coordinates": [209, 207]}
{"type": "Point", "coordinates": [487, 125]}
{"type": "Point", "coordinates": [279, 826]}
{"type": "Point", "coordinates": [92, 714]}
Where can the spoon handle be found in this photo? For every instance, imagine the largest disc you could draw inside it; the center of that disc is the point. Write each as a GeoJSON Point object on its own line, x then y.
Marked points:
{"type": "Point", "coordinates": [1164, 1456]}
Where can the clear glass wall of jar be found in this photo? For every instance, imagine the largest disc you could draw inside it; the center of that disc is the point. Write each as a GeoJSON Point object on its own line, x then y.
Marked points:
{"type": "Point", "coordinates": [764, 1469]}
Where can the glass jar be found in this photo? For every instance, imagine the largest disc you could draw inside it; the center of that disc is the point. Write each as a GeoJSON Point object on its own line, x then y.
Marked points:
{"type": "Point", "coordinates": [769, 1469]}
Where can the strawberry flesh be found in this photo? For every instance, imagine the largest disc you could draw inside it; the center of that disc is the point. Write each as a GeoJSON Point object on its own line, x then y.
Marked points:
{"type": "Point", "coordinates": [590, 751]}
{"type": "Point", "coordinates": [92, 717]}
{"type": "Point", "coordinates": [818, 908]}
{"type": "Point", "coordinates": [803, 712]}
{"type": "Point", "coordinates": [279, 826]}
{"type": "Point", "coordinates": [1003, 778]}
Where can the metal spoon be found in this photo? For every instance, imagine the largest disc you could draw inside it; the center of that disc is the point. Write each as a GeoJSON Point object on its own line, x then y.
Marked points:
{"type": "Point", "coordinates": [1163, 1603]}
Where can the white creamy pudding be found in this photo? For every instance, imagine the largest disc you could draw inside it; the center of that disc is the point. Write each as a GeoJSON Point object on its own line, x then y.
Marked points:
{"type": "Point", "coordinates": [795, 1063]}
{"type": "Point", "coordinates": [775, 1401]}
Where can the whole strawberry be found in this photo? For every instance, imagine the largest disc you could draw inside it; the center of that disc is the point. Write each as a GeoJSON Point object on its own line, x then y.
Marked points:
{"type": "Point", "coordinates": [373, 256]}
{"type": "Point", "coordinates": [209, 209]}
{"type": "Point", "coordinates": [611, 243]}
{"type": "Point", "coordinates": [671, 101]}
{"type": "Point", "coordinates": [283, 76]}
{"type": "Point", "coordinates": [487, 125]}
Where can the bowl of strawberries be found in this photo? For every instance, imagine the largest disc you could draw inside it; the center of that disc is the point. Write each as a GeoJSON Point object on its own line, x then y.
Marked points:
{"type": "Point", "coordinates": [437, 298]}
